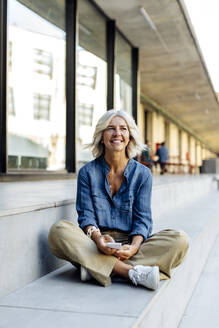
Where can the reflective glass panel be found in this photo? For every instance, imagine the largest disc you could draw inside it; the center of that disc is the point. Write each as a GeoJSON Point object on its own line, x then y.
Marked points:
{"type": "Point", "coordinates": [36, 85]}
{"type": "Point", "coordinates": [91, 76]}
{"type": "Point", "coordinates": [123, 81]}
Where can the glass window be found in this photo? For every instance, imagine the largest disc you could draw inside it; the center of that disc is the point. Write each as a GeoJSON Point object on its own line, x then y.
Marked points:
{"type": "Point", "coordinates": [42, 107]}
{"type": "Point", "coordinates": [10, 56]}
{"type": "Point", "coordinates": [87, 75]}
{"type": "Point", "coordinates": [85, 114]}
{"type": "Point", "coordinates": [123, 81]}
{"type": "Point", "coordinates": [43, 62]}
{"type": "Point", "coordinates": [36, 85]}
{"type": "Point", "coordinates": [91, 76]}
{"type": "Point", "coordinates": [11, 110]}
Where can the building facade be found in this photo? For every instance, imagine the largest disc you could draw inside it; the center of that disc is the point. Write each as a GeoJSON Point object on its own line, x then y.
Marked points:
{"type": "Point", "coordinates": [63, 64]}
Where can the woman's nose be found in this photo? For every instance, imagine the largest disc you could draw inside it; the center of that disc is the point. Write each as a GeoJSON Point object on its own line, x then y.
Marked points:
{"type": "Point", "coordinates": [117, 131]}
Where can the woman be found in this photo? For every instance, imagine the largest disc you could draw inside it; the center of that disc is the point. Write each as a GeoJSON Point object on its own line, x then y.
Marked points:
{"type": "Point", "coordinates": [114, 204]}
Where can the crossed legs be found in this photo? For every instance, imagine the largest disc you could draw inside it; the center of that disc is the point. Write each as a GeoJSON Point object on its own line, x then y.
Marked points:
{"type": "Point", "coordinates": [165, 249]}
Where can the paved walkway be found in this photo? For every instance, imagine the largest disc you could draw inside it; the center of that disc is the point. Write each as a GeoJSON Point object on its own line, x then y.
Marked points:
{"type": "Point", "coordinates": [202, 310]}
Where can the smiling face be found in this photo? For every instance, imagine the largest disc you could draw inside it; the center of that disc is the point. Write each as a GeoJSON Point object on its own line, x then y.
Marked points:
{"type": "Point", "coordinates": [116, 135]}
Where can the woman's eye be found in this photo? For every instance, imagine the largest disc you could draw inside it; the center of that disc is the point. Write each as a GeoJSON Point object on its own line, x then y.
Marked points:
{"type": "Point", "coordinates": [111, 128]}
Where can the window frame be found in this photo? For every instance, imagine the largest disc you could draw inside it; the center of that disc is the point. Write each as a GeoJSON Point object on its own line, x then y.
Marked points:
{"type": "Point", "coordinates": [72, 26]}
{"type": "Point", "coordinates": [3, 86]}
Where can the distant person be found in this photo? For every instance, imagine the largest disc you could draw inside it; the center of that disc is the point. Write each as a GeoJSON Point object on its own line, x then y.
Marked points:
{"type": "Point", "coordinates": [114, 205]}
{"type": "Point", "coordinates": [145, 157]}
{"type": "Point", "coordinates": [162, 153]}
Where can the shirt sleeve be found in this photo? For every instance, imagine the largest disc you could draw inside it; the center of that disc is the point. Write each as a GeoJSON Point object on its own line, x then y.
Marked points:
{"type": "Point", "coordinates": [84, 203]}
{"type": "Point", "coordinates": [142, 220]}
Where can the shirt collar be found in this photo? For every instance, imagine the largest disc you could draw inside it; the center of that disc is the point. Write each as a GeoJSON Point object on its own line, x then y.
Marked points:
{"type": "Point", "coordinates": [107, 169]}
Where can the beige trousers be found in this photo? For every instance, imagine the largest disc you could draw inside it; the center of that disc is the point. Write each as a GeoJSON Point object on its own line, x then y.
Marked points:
{"type": "Point", "coordinates": [166, 249]}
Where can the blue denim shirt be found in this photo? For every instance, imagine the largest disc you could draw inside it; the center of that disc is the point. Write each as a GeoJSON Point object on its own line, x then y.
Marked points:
{"type": "Point", "coordinates": [162, 152]}
{"type": "Point", "coordinates": [129, 210]}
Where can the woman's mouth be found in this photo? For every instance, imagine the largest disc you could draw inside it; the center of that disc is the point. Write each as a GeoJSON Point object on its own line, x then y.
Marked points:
{"type": "Point", "coordinates": [116, 141]}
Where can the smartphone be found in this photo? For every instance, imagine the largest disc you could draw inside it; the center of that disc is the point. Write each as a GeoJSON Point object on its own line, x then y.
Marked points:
{"type": "Point", "coordinates": [114, 245]}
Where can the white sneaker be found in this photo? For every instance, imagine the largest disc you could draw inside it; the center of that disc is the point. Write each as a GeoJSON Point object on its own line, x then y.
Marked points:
{"type": "Point", "coordinates": [85, 275]}
{"type": "Point", "coordinates": [147, 276]}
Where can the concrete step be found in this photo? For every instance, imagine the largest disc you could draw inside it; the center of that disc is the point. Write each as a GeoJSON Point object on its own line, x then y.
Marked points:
{"type": "Point", "coordinates": [169, 192]}
{"type": "Point", "coordinates": [200, 221]}
{"type": "Point", "coordinates": [59, 299]}
{"type": "Point", "coordinates": [202, 309]}
{"type": "Point", "coordinates": [28, 209]}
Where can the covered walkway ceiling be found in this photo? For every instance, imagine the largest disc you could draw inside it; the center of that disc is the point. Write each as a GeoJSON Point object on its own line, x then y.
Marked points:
{"type": "Point", "coordinates": [173, 73]}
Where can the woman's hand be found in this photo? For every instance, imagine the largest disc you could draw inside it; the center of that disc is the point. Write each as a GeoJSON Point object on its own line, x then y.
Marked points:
{"type": "Point", "coordinates": [126, 252]}
{"type": "Point", "coordinates": [101, 244]}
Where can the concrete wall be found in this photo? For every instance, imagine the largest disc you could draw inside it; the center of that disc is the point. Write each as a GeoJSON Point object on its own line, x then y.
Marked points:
{"type": "Point", "coordinates": [24, 246]}
{"type": "Point", "coordinates": [141, 121]}
{"type": "Point", "coordinates": [184, 147]}
{"type": "Point", "coordinates": [180, 143]}
{"type": "Point", "coordinates": [209, 154]}
{"type": "Point", "coordinates": [157, 131]}
{"type": "Point", "coordinates": [153, 131]}
{"type": "Point", "coordinates": [160, 130]}
{"type": "Point", "coordinates": [173, 143]}
{"type": "Point", "coordinates": [192, 151]}
{"type": "Point", "coordinates": [149, 128]}
{"type": "Point", "coordinates": [199, 155]}
{"type": "Point", "coordinates": [203, 153]}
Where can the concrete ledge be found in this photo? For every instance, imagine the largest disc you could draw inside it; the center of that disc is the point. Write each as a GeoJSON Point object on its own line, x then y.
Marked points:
{"type": "Point", "coordinates": [168, 192]}
{"type": "Point", "coordinates": [24, 228]}
{"type": "Point", "coordinates": [38, 207]}
{"type": "Point", "coordinates": [17, 198]}
{"type": "Point", "coordinates": [122, 304]}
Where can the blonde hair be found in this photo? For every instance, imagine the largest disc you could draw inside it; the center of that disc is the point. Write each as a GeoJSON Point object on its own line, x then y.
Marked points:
{"type": "Point", "coordinates": [134, 146]}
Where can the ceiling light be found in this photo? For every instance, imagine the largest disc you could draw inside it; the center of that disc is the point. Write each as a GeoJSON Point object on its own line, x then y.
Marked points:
{"type": "Point", "coordinates": [147, 18]}
{"type": "Point", "coordinates": [153, 27]}
{"type": "Point", "coordinates": [84, 29]}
